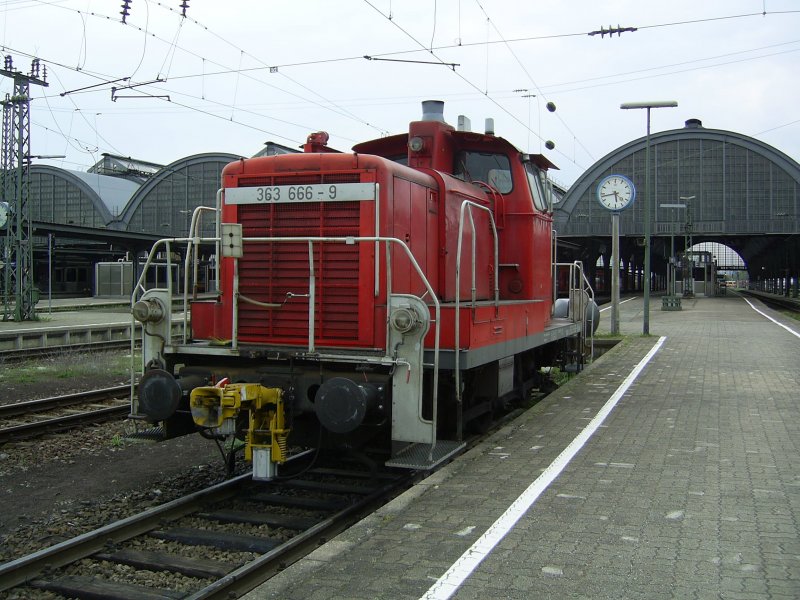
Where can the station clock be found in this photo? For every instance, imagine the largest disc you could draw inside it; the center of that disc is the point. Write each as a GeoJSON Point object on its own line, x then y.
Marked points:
{"type": "Point", "coordinates": [615, 192]}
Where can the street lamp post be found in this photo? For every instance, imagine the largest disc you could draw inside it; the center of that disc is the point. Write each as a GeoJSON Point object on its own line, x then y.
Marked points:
{"type": "Point", "coordinates": [647, 202]}
{"type": "Point", "coordinates": [688, 269]}
{"type": "Point", "coordinates": [687, 200]}
{"type": "Point", "coordinates": [673, 263]}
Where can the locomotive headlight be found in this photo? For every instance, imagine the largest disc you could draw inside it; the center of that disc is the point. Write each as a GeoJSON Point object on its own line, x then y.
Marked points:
{"type": "Point", "coordinates": [148, 311]}
{"type": "Point", "coordinates": [416, 144]}
{"type": "Point", "coordinates": [404, 319]}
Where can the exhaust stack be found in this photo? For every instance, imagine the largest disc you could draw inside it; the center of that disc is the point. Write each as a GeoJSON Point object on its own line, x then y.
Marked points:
{"type": "Point", "coordinates": [433, 110]}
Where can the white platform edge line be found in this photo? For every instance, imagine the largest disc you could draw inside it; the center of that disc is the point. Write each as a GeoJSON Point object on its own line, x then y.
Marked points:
{"type": "Point", "coordinates": [621, 303]}
{"type": "Point", "coordinates": [458, 573]}
{"type": "Point", "coordinates": [763, 314]}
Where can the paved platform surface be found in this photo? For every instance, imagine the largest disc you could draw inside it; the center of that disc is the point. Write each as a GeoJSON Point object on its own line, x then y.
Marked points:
{"type": "Point", "coordinates": [73, 312]}
{"type": "Point", "coordinates": [689, 488]}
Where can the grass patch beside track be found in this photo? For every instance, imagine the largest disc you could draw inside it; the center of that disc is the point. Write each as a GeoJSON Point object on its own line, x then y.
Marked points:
{"type": "Point", "coordinates": [64, 371]}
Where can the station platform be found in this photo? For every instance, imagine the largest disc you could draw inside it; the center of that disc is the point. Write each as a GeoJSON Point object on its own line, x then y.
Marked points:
{"type": "Point", "coordinates": [67, 322]}
{"type": "Point", "coordinates": [669, 468]}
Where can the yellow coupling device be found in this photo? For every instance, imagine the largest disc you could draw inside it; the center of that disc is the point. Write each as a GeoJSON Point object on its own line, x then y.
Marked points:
{"type": "Point", "coordinates": [218, 408]}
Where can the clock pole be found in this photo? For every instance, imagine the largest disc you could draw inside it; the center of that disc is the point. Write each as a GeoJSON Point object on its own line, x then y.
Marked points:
{"type": "Point", "coordinates": [615, 272]}
{"type": "Point", "coordinates": [615, 192]}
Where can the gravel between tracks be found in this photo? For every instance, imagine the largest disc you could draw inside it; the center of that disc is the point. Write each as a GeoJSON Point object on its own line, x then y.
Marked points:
{"type": "Point", "coordinates": [56, 487]}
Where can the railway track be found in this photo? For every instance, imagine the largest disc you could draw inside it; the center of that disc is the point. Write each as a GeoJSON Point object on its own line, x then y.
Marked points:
{"type": "Point", "coordinates": [775, 301]}
{"type": "Point", "coordinates": [217, 543]}
{"type": "Point", "coordinates": [34, 418]}
{"type": "Point", "coordinates": [21, 354]}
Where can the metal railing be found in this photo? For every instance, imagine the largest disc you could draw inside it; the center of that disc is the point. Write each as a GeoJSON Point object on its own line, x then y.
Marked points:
{"type": "Point", "coordinates": [388, 242]}
{"type": "Point", "coordinates": [581, 297]}
{"type": "Point", "coordinates": [192, 253]}
{"type": "Point", "coordinates": [466, 208]}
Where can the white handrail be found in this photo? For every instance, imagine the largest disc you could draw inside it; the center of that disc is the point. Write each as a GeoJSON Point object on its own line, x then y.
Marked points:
{"type": "Point", "coordinates": [467, 205]}
{"type": "Point", "coordinates": [191, 252]}
{"type": "Point", "coordinates": [579, 284]}
{"type": "Point", "coordinates": [360, 239]}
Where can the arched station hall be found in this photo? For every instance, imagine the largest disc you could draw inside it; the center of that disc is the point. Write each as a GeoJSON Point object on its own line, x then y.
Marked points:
{"type": "Point", "coordinates": [112, 214]}
{"type": "Point", "coordinates": [719, 186]}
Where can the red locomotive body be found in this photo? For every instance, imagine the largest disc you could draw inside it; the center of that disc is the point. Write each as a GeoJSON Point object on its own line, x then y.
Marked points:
{"type": "Point", "coordinates": [399, 292]}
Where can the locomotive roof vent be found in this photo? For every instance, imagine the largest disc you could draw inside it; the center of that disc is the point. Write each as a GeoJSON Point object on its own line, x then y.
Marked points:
{"type": "Point", "coordinates": [433, 110]}
{"type": "Point", "coordinates": [693, 123]}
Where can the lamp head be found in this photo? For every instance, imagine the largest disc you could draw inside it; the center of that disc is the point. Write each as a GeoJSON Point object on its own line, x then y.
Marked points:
{"type": "Point", "coordinates": [653, 104]}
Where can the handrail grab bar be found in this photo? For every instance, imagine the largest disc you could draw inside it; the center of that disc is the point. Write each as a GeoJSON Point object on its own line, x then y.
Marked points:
{"type": "Point", "coordinates": [467, 205]}
{"type": "Point", "coordinates": [191, 253]}
{"type": "Point", "coordinates": [388, 241]}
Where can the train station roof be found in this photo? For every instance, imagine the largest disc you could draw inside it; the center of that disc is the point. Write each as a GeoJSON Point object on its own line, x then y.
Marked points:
{"type": "Point", "coordinates": [77, 197]}
{"type": "Point", "coordinates": [124, 166]}
{"type": "Point", "coordinates": [702, 185]}
{"type": "Point", "coordinates": [737, 185]}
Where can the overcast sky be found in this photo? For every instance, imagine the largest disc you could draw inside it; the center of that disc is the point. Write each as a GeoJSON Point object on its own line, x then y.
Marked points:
{"type": "Point", "coordinates": [238, 73]}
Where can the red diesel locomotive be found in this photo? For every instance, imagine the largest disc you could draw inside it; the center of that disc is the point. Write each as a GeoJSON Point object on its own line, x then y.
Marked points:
{"type": "Point", "coordinates": [390, 297]}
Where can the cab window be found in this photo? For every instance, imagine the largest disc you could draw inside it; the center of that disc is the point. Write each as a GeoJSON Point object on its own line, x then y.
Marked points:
{"type": "Point", "coordinates": [535, 183]}
{"type": "Point", "coordinates": [486, 167]}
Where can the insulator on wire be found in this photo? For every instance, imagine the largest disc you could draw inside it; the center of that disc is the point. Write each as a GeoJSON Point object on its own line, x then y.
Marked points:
{"type": "Point", "coordinates": [611, 31]}
{"type": "Point", "coordinates": [126, 4]}
{"type": "Point", "coordinates": [184, 6]}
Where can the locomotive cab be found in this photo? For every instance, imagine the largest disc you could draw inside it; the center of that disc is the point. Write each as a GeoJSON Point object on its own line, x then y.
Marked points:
{"type": "Point", "coordinates": [388, 297]}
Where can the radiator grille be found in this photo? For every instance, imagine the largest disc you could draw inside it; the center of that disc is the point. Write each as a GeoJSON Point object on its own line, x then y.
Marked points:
{"type": "Point", "coordinates": [309, 179]}
{"type": "Point", "coordinates": [270, 272]}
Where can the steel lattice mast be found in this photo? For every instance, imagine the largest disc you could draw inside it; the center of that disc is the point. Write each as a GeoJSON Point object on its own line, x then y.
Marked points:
{"type": "Point", "coordinates": [14, 186]}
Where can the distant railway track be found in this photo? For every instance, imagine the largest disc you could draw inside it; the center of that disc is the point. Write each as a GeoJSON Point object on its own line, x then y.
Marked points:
{"type": "Point", "coordinates": [217, 543]}
{"type": "Point", "coordinates": [20, 354]}
{"type": "Point", "coordinates": [24, 420]}
{"type": "Point", "coordinates": [774, 300]}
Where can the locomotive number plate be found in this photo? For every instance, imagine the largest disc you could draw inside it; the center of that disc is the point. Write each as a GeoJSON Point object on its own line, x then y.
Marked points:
{"type": "Point", "coordinates": [321, 192]}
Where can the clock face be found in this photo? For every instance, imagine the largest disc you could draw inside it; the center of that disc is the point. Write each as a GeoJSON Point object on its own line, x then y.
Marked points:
{"type": "Point", "coordinates": [615, 192]}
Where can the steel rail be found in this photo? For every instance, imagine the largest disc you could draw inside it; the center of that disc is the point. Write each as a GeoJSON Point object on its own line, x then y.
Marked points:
{"type": "Point", "coordinates": [43, 563]}
{"type": "Point", "coordinates": [17, 572]}
{"type": "Point", "coordinates": [256, 572]}
{"type": "Point", "coordinates": [32, 406]}
{"type": "Point", "coordinates": [29, 430]}
{"type": "Point", "coordinates": [61, 422]}
{"type": "Point", "coordinates": [32, 568]}
{"type": "Point", "coordinates": [19, 354]}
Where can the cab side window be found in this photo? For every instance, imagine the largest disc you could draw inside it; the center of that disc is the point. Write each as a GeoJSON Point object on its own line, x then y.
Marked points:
{"type": "Point", "coordinates": [537, 190]}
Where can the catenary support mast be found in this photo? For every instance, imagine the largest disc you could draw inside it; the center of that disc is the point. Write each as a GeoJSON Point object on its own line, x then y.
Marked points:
{"type": "Point", "coordinates": [19, 300]}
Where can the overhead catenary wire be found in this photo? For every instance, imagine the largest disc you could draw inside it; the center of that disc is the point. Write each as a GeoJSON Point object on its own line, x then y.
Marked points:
{"type": "Point", "coordinates": [226, 70]}
{"type": "Point", "coordinates": [461, 44]}
{"type": "Point", "coordinates": [535, 85]}
{"type": "Point", "coordinates": [190, 107]}
{"type": "Point", "coordinates": [670, 65]}
{"type": "Point", "coordinates": [54, 72]}
{"type": "Point", "coordinates": [667, 74]}
{"type": "Point", "coordinates": [333, 106]}
{"type": "Point", "coordinates": [466, 80]}
{"type": "Point", "coordinates": [281, 69]}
